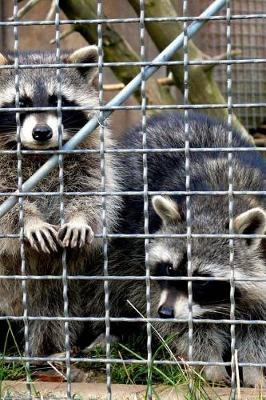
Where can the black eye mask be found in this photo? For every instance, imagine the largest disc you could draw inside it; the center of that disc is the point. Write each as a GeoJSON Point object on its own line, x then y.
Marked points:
{"type": "Point", "coordinates": [204, 292]}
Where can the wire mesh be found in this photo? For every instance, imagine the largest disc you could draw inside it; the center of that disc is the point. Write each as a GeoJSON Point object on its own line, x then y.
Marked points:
{"type": "Point", "coordinates": [249, 107]}
{"type": "Point", "coordinates": [247, 39]}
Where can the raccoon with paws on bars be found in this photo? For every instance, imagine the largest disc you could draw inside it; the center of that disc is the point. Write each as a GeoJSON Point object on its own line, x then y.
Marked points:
{"type": "Point", "coordinates": [44, 237]}
{"type": "Point", "coordinates": [210, 257]}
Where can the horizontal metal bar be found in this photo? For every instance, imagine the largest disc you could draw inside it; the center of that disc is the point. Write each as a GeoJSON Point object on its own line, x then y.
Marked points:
{"type": "Point", "coordinates": [134, 20]}
{"type": "Point", "coordinates": [111, 107]}
{"type": "Point", "coordinates": [163, 236]}
{"type": "Point", "coordinates": [184, 235]}
{"type": "Point", "coordinates": [127, 278]}
{"type": "Point", "coordinates": [137, 319]}
{"type": "Point", "coordinates": [125, 361]}
{"type": "Point", "coordinates": [141, 193]}
{"type": "Point", "coordinates": [137, 63]}
{"type": "Point", "coordinates": [137, 361]}
{"type": "Point", "coordinates": [125, 93]}
{"type": "Point", "coordinates": [137, 151]}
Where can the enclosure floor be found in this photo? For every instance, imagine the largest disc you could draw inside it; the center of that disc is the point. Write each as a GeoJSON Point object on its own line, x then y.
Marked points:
{"type": "Point", "coordinates": [90, 391]}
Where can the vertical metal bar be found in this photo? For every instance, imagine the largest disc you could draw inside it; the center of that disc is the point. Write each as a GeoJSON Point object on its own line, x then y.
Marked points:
{"type": "Point", "coordinates": [145, 194]}
{"type": "Point", "coordinates": [103, 189]}
{"type": "Point", "coordinates": [21, 202]}
{"type": "Point", "coordinates": [61, 198]}
{"type": "Point", "coordinates": [188, 198]}
{"type": "Point", "coordinates": [230, 195]}
{"type": "Point", "coordinates": [165, 55]}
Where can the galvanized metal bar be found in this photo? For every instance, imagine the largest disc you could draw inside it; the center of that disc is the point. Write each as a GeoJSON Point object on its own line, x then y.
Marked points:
{"type": "Point", "coordinates": [135, 63]}
{"type": "Point", "coordinates": [116, 101]}
{"type": "Point", "coordinates": [188, 197]}
{"type": "Point", "coordinates": [24, 282]}
{"type": "Point", "coordinates": [61, 200]}
{"type": "Point", "coordinates": [231, 201]}
{"type": "Point", "coordinates": [133, 20]}
{"type": "Point", "coordinates": [140, 319]}
{"type": "Point", "coordinates": [103, 203]}
{"type": "Point", "coordinates": [128, 361]}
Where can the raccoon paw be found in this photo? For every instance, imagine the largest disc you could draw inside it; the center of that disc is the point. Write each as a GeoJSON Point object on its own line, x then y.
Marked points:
{"type": "Point", "coordinates": [216, 374]}
{"type": "Point", "coordinates": [73, 234]}
{"type": "Point", "coordinates": [41, 236]}
{"type": "Point", "coordinates": [254, 377]}
{"type": "Point", "coordinates": [99, 344]}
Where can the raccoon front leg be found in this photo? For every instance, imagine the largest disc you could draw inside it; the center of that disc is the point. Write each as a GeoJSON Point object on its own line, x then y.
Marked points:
{"type": "Point", "coordinates": [251, 344]}
{"type": "Point", "coordinates": [76, 233]}
{"type": "Point", "coordinates": [39, 234]}
{"type": "Point", "coordinates": [46, 337]}
{"type": "Point", "coordinates": [208, 345]}
{"type": "Point", "coordinates": [254, 377]}
{"type": "Point", "coordinates": [83, 219]}
{"type": "Point", "coordinates": [216, 373]}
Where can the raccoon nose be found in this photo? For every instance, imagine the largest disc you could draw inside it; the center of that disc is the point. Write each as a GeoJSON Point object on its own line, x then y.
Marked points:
{"type": "Point", "coordinates": [42, 133]}
{"type": "Point", "coordinates": [166, 312]}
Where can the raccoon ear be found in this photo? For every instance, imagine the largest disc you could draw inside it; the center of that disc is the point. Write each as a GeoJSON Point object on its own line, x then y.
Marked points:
{"type": "Point", "coordinates": [166, 209]}
{"type": "Point", "coordinates": [251, 222]}
{"type": "Point", "coordinates": [88, 54]}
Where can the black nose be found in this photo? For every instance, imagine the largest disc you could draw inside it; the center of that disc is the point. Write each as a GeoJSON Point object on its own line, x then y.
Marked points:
{"type": "Point", "coordinates": [166, 312]}
{"type": "Point", "coordinates": [42, 133]}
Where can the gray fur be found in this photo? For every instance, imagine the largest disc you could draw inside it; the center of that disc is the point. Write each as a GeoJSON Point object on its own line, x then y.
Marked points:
{"type": "Point", "coordinates": [210, 256]}
{"type": "Point", "coordinates": [44, 237]}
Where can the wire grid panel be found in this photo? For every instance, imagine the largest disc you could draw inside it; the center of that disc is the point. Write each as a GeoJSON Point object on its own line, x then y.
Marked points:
{"type": "Point", "coordinates": [247, 42]}
{"type": "Point", "coordinates": [144, 235]}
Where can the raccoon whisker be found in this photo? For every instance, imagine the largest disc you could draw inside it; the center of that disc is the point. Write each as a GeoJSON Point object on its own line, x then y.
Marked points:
{"type": "Point", "coordinates": [73, 117]}
{"type": "Point", "coordinates": [226, 310]}
{"type": "Point", "coordinates": [212, 311]}
{"type": "Point", "coordinates": [72, 131]}
{"type": "Point", "coordinates": [67, 119]}
{"type": "Point", "coordinates": [7, 139]}
{"type": "Point", "coordinates": [8, 128]}
{"type": "Point", "coordinates": [7, 134]}
{"type": "Point", "coordinates": [4, 143]}
{"type": "Point", "coordinates": [71, 120]}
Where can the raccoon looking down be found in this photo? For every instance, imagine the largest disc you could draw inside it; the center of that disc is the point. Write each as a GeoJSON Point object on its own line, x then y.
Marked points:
{"type": "Point", "coordinates": [210, 256]}
{"type": "Point", "coordinates": [43, 234]}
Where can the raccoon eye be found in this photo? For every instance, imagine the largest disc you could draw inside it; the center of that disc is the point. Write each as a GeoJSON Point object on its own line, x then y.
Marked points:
{"type": "Point", "coordinates": [23, 103]}
{"type": "Point", "coordinates": [53, 101]}
{"type": "Point", "coordinates": [165, 269]}
{"type": "Point", "coordinates": [170, 270]}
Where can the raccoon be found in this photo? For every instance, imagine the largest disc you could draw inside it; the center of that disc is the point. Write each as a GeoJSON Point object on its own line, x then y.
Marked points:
{"type": "Point", "coordinates": [210, 256]}
{"type": "Point", "coordinates": [44, 237]}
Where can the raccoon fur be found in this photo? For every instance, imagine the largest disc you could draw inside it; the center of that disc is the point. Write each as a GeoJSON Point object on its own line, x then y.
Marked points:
{"type": "Point", "coordinates": [44, 237]}
{"type": "Point", "coordinates": [167, 257]}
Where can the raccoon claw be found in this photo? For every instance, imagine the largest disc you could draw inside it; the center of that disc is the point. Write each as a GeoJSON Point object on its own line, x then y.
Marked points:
{"type": "Point", "coordinates": [99, 343]}
{"type": "Point", "coordinates": [42, 237]}
{"type": "Point", "coordinates": [75, 235]}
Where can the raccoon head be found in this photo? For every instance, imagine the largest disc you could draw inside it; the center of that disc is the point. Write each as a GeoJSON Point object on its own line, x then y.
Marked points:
{"type": "Point", "coordinates": [39, 87]}
{"type": "Point", "coordinates": [209, 260]}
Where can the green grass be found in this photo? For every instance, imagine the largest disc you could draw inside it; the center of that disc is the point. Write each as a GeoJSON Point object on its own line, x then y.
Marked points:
{"type": "Point", "coordinates": [11, 370]}
{"type": "Point", "coordinates": [154, 375]}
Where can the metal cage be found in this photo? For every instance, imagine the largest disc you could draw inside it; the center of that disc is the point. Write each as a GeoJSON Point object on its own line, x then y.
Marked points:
{"type": "Point", "coordinates": [230, 25]}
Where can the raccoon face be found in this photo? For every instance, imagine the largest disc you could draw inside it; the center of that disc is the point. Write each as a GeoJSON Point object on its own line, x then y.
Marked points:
{"type": "Point", "coordinates": [209, 260]}
{"type": "Point", "coordinates": [38, 87]}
